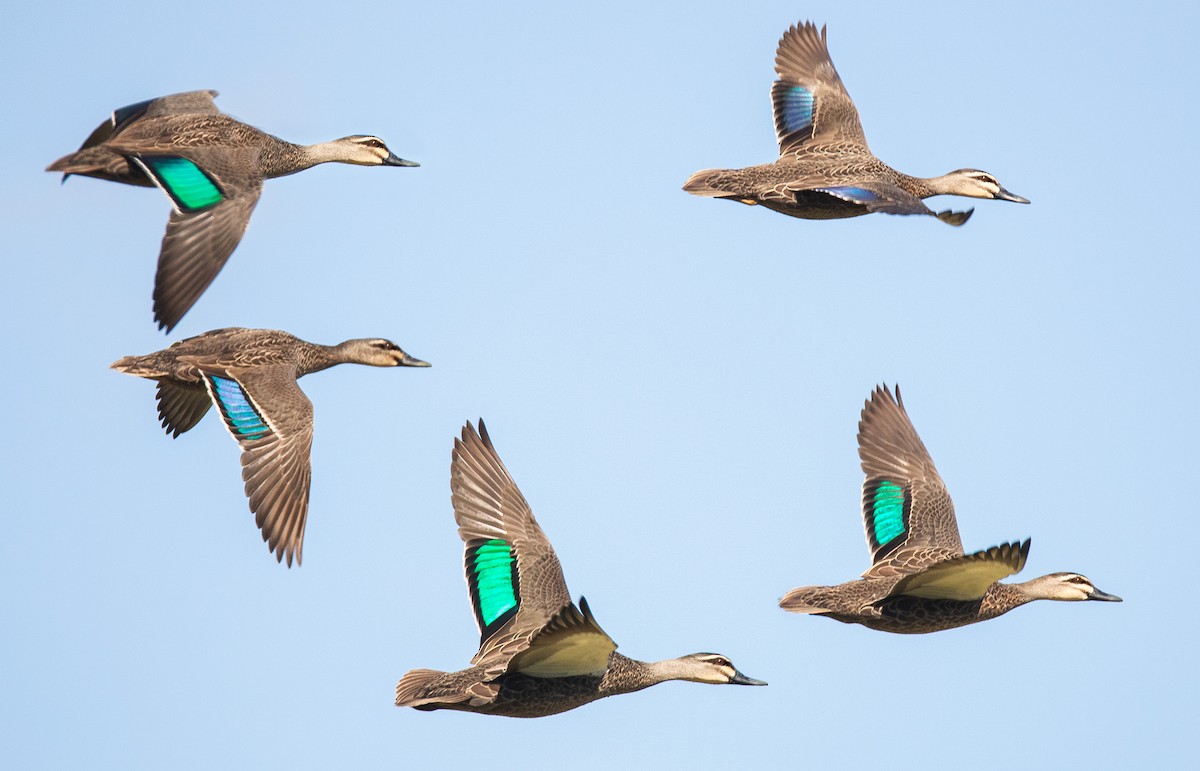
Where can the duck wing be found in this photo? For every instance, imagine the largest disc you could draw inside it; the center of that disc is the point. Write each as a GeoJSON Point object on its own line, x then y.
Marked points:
{"type": "Point", "coordinates": [181, 405]}
{"type": "Point", "coordinates": [272, 420]}
{"type": "Point", "coordinates": [213, 187]}
{"type": "Point", "coordinates": [195, 248]}
{"type": "Point", "coordinates": [811, 105]}
{"type": "Point", "coordinates": [907, 512]}
{"type": "Point", "coordinates": [94, 160]}
{"type": "Point", "coordinates": [514, 579]}
{"type": "Point", "coordinates": [966, 577]}
{"type": "Point", "coordinates": [873, 196]}
{"type": "Point", "coordinates": [571, 643]}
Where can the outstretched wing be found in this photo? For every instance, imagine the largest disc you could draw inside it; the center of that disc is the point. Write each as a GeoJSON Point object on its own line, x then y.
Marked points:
{"type": "Point", "coordinates": [271, 418]}
{"type": "Point", "coordinates": [513, 577]}
{"type": "Point", "coordinates": [811, 105]}
{"type": "Point", "coordinates": [907, 513]}
{"type": "Point", "coordinates": [208, 222]}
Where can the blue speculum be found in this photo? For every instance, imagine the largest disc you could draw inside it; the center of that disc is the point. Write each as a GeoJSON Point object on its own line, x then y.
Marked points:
{"type": "Point", "coordinates": [856, 194]}
{"type": "Point", "coordinates": [239, 413]}
{"type": "Point", "coordinates": [797, 108]}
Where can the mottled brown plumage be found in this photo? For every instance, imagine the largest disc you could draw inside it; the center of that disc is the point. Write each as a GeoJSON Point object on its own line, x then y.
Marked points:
{"type": "Point", "coordinates": [920, 579]}
{"type": "Point", "coordinates": [263, 409]}
{"type": "Point", "coordinates": [543, 654]}
{"type": "Point", "coordinates": [825, 169]}
{"type": "Point", "coordinates": [234, 157]}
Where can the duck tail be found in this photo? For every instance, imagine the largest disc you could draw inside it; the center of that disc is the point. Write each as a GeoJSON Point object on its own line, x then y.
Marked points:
{"type": "Point", "coordinates": [806, 599]}
{"type": "Point", "coordinates": [430, 689]}
{"type": "Point", "coordinates": [137, 365]}
{"type": "Point", "coordinates": [62, 164]}
{"type": "Point", "coordinates": [707, 183]}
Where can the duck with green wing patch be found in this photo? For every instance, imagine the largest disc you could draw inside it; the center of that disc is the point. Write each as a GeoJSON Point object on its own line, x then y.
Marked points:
{"type": "Point", "coordinates": [920, 580]}
{"type": "Point", "coordinates": [539, 653]}
{"type": "Point", "coordinates": [211, 167]}
{"type": "Point", "coordinates": [250, 376]}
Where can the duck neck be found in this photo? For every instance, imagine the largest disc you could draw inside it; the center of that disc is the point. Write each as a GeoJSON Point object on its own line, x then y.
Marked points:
{"type": "Point", "coordinates": [323, 152]}
{"type": "Point", "coordinates": [315, 357]}
{"type": "Point", "coordinates": [947, 184]}
{"type": "Point", "coordinates": [287, 158]}
{"type": "Point", "coordinates": [924, 187]}
{"type": "Point", "coordinates": [626, 675]}
{"type": "Point", "coordinates": [279, 158]}
{"type": "Point", "coordinates": [1001, 598]}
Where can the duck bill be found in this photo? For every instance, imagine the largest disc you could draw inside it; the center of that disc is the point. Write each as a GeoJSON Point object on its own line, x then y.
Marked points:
{"type": "Point", "coordinates": [1004, 195]}
{"type": "Point", "coordinates": [740, 679]}
{"type": "Point", "coordinates": [1103, 596]}
{"type": "Point", "coordinates": [394, 160]}
{"type": "Point", "coordinates": [413, 361]}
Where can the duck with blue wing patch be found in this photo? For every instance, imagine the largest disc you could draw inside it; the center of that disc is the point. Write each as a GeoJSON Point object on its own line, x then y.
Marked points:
{"type": "Point", "coordinates": [211, 167]}
{"type": "Point", "coordinates": [242, 418]}
{"type": "Point", "coordinates": [539, 653]}
{"type": "Point", "coordinates": [825, 169]}
{"type": "Point", "coordinates": [920, 580]}
{"type": "Point", "coordinates": [250, 376]}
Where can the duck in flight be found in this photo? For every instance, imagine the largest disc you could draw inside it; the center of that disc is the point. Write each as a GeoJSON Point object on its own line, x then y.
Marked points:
{"type": "Point", "coordinates": [920, 580]}
{"type": "Point", "coordinates": [825, 169]}
{"type": "Point", "coordinates": [250, 376]}
{"type": "Point", "coordinates": [211, 167]}
{"type": "Point", "coordinates": [539, 653]}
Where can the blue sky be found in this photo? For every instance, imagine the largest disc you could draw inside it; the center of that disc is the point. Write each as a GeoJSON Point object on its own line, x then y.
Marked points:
{"type": "Point", "coordinates": [674, 382]}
